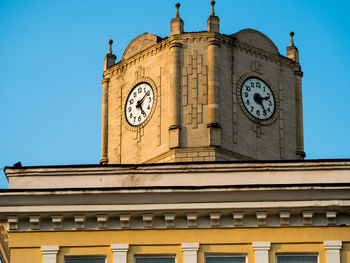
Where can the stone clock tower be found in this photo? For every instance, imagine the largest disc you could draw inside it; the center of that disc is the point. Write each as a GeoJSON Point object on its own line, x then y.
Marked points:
{"type": "Point", "coordinates": [202, 96]}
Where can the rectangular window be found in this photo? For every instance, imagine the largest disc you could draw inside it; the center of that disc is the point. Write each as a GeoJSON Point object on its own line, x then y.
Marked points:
{"type": "Point", "coordinates": [225, 259]}
{"type": "Point", "coordinates": [297, 259]}
{"type": "Point", "coordinates": [85, 260]}
{"type": "Point", "coordinates": [159, 259]}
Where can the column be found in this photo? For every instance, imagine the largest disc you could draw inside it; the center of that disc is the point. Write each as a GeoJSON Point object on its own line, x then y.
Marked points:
{"type": "Point", "coordinates": [120, 252]}
{"type": "Point", "coordinates": [104, 144]}
{"type": "Point", "coordinates": [299, 115]}
{"type": "Point", "coordinates": [174, 95]}
{"type": "Point", "coordinates": [261, 250]}
{"type": "Point", "coordinates": [190, 252]}
{"type": "Point", "coordinates": [213, 93]}
{"type": "Point", "coordinates": [332, 248]}
{"type": "Point", "coordinates": [49, 253]}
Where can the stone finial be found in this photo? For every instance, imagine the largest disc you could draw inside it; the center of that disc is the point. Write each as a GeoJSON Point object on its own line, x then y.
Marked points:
{"type": "Point", "coordinates": [110, 57]}
{"type": "Point", "coordinates": [291, 38]}
{"type": "Point", "coordinates": [177, 15]}
{"type": "Point", "coordinates": [212, 3]}
{"type": "Point", "coordinates": [110, 42]}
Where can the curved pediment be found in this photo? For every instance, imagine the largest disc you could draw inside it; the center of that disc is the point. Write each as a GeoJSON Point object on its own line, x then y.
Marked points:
{"type": "Point", "coordinates": [256, 39]}
{"type": "Point", "coordinates": [140, 44]}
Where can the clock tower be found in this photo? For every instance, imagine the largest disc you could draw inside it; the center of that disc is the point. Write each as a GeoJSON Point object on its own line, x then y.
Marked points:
{"type": "Point", "coordinates": [202, 96]}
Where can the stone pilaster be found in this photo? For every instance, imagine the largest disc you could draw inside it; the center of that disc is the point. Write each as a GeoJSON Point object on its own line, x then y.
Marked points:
{"type": "Point", "coordinates": [174, 95]}
{"type": "Point", "coordinates": [120, 253]}
{"type": "Point", "coordinates": [104, 144]}
{"type": "Point", "coordinates": [261, 250]}
{"type": "Point", "coordinates": [213, 93]}
{"type": "Point", "coordinates": [333, 248]}
{"type": "Point", "coordinates": [190, 251]}
{"type": "Point", "coordinates": [49, 253]}
{"type": "Point", "coordinates": [299, 115]}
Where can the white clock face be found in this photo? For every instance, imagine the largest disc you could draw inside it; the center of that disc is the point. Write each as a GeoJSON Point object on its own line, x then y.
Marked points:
{"type": "Point", "coordinates": [257, 98]}
{"type": "Point", "coordinates": [139, 104]}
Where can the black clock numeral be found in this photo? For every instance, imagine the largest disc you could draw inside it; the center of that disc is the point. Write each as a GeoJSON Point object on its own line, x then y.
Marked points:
{"type": "Point", "coordinates": [134, 118]}
{"type": "Point", "coordinates": [129, 109]}
{"type": "Point", "coordinates": [270, 103]}
{"type": "Point", "coordinates": [149, 99]}
{"type": "Point", "coordinates": [131, 101]}
{"type": "Point", "coordinates": [258, 112]}
{"type": "Point", "coordinates": [139, 90]}
{"type": "Point", "coordinates": [264, 88]}
{"type": "Point", "coordinates": [131, 115]}
{"type": "Point", "coordinates": [144, 114]}
{"type": "Point", "coordinates": [252, 84]}
{"type": "Point", "coordinates": [135, 94]}
{"type": "Point", "coordinates": [251, 108]}
{"type": "Point", "coordinates": [268, 109]}
{"type": "Point", "coordinates": [148, 107]}
{"type": "Point", "coordinates": [139, 118]}
{"type": "Point", "coordinates": [246, 94]}
{"type": "Point", "coordinates": [247, 102]}
{"type": "Point", "coordinates": [247, 88]}
{"type": "Point", "coordinates": [258, 85]}
{"type": "Point", "coordinates": [264, 113]}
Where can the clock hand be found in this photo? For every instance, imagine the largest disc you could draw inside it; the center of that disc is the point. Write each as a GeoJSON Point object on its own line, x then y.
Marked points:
{"type": "Point", "coordinates": [144, 97]}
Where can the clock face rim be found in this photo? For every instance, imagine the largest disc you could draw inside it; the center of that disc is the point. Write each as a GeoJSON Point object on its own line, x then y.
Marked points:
{"type": "Point", "coordinates": [241, 81]}
{"type": "Point", "coordinates": [272, 93]}
{"type": "Point", "coordinates": [154, 87]}
{"type": "Point", "coordinates": [127, 100]}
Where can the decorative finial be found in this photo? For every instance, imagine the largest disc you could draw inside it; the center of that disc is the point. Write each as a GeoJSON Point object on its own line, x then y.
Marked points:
{"type": "Point", "coordinates": [110, 42]}
{"type": "Point", "coordinates": [212, 8]}
{"type": "Point", "coordinates": [177, 5]}
{"type": "Point", "coordinates": [291, 38]}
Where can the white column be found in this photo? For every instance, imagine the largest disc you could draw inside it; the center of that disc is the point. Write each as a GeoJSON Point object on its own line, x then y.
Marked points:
{"type": "Point", "coordinates": [49, 253]}
{"type": "Point", "coordinates": [261, 250]}
{"type": "Point", "coordinates": [190, 252]}
{"type": "Point", "coordinates": [332, 248]}
{"type": "Point", "coordinates": [120, 252]}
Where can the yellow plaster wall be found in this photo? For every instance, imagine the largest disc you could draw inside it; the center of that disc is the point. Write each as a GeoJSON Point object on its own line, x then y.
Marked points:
{"type": "Point", "coordinates": [26, 245]}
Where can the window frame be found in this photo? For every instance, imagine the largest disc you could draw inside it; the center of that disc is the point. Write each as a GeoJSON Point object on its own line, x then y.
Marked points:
{"type": "Point", "coordinates": [297, 254]}
{"type": "Point", "coordinates": [84, 257]}
{"type": "Point", "coordinates": [225, 255]}
{"type": "Point", "coordinates": [173, 256]}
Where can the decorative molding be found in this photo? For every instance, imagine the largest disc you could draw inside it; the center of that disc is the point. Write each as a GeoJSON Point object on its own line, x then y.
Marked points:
{"type": "Point", "coordinates": [124, 220]}
{"type": "Point", "coordinates": [147, 220]}
{"type": "Point", "coordinates": [331, 217]}
{"type": "Point", "coordinates": [284, 218]}
{"type": "Point", "coordinates": [79, 221]}
{"type": "Point", "coordinates": [169, 220]}
{"type": "Point", "coordinates": [102, 221]}
{"type": "Point", "coordinates": [261, 218]}
{"type": "Point", "coordinates": [307, 217]}
{"type": "Point", "coordinates": [238, 218]}
{"type": "Point", "coordinates": [57, 221]}
{"type": "Point", "coordinates": [34, 222]}
{"type": "Point", "coordinates": [191, 219]}
{"type": "Point", "coordinates": [215, 219]}
{"type": "Point", "coordinates": [13, 222]}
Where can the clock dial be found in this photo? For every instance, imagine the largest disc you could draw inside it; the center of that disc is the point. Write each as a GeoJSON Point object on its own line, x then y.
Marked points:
{"type": "Point", "coordinates": [257, 98]}
{"type": "Point", "coordinates": [139, 104]}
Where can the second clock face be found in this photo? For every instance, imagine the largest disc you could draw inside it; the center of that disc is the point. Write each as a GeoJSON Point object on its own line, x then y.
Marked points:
{"type": "Point", "coordinates": [139, 104]}
{"type": "Point", "coordinates": [257, 98]}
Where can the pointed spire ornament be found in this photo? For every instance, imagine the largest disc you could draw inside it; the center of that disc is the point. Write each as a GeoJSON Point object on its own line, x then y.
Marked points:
{"type": "Point", "coordinates": [292, 51]}
{"type": "Point", "coordinates": [110, 57]}
{"type": "Point", "coordinates": [212, 3]}
{"type": "Point", "coordinates": [291, 38]}
{"type": "Point", "coordinates": [176, 25]}
{"type": "Point", "coordinates": [213, 22]}
{"type": "Point", "coordinates": [110, 42]}
{"type": "Point", "coordinates": [177, 15]}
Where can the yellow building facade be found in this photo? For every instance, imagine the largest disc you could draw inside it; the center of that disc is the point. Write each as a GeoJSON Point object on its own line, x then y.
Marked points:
{"type": "Point", "coordinates": [202, 161]}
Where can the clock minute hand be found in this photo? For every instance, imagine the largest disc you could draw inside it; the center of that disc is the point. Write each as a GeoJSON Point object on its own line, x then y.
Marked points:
{"type": "Point", "coordinates": [144, 97]}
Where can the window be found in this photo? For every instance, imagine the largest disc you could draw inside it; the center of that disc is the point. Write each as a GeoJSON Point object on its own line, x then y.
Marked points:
{"type": "Point", "coordinates": [85, 260]}
{"type": "Point", "coordinates": [297, 259]}
{"type": "Point", "coordinates": [225, 259]}
{"type": "Point", "coordinates": [155, 260]}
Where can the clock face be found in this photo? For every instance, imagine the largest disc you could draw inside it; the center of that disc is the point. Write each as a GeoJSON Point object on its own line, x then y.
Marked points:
{"type": "Point", "coordinates": [139, 104]}
{"type": "Point", "coordinates": [257, 98]}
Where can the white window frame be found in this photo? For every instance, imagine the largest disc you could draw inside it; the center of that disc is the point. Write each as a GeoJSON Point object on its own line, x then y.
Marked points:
{"type": "Point", "coordinates": [225, 255]}
{"type": "Point", "coordinates": [297, 254]}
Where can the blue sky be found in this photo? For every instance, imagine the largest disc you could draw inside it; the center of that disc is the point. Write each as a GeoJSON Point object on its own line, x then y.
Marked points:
{"type": "Point", "coordinates": [51, 63]}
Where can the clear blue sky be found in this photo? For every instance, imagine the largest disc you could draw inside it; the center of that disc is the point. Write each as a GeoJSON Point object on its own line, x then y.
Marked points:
{"type": "Point", "coordinates": [51, 63]}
